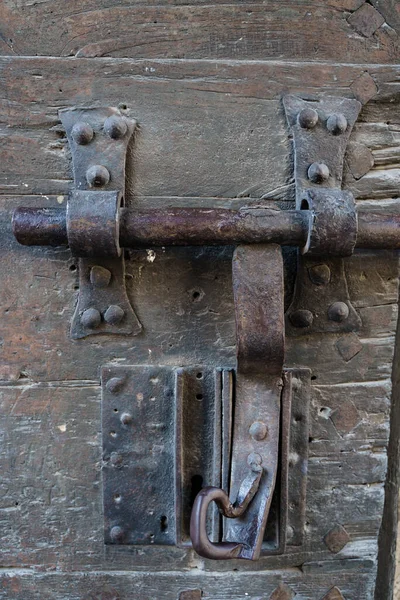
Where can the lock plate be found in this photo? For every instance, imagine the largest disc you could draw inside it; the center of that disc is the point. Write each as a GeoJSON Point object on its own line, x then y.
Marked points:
{"type": "Point", "coordinates": [167, 432]}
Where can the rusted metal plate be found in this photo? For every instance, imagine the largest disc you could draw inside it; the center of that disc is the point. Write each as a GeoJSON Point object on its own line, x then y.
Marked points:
{"type": "Point", "coordinates": [321, 300]}
{"type": "Point", "coordinates": [138, 455]}
{"type": "Point", "coordinates": [161, 441]}
{"type": "Point", "coordinates": [321, 130]}
{"type": "Point", "coordinates": [98, 139]}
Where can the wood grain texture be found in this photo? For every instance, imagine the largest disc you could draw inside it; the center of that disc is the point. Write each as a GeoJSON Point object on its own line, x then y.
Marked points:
{"type": "Point", "coordinates": [197, 29]}
{"type": "Point", "coordinates": [211, 133]}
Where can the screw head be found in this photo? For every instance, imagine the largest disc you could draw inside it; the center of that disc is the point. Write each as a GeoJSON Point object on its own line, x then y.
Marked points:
{"type": "Point", "coordinates": [99, 276]}
{"type": "Point", "coordinates": [307, 118]}
{"type": "Point", "coordinates": [320, 274]}
{"type": "Point", "coordinates": [337, 124]}
{"type": "Point", "coordinates": [258, 431]}
{"type": "Point", "coordinates": [115, 384]}
{"type": "Point", "coordinates": [318, 172]}
{"type": "Point", "coordinates": [301, 318]}
{"type": "Point", "coordinates": [114, 314]}
{"type": "Point", "coordinates": [82, 133]}
{"type": "Point", "coordinates": [116, 127]}
{"type": "Point", "coordinates": [126, 418]}
{"type": "Point", "coordinates": [117, 533]}
{"type": "Point", "coordinates": [338, 311]}
{"type": "Point", "coordinates": [97, 176]}
{"type": "Point", "coordinates": [91, 318]}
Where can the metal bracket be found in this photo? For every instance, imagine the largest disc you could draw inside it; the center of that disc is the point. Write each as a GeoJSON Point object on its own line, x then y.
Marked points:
{"type": "Point", "coordinates": [98, 138]}
{"type": "Point", "coordinates": [321, 130]}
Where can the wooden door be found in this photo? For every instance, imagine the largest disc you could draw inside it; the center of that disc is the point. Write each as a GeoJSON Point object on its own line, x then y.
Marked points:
{"type": "Point", "coordinates": [205, 82]}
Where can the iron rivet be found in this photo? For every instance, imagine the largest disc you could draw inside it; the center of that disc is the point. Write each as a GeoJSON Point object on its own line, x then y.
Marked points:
{"type": "Point", "coordinates": [126, 418]}
{"type": "Point", "coordinates": [338, 311]}
{"type": "Point", "coordinates": [301, 318]}
{"type": "Point", "coordinates": [91, 318]}
{"type": "Point", "coordinates": [337, 124]}
{"type": "Point", "coordinates": [318, 172]}
{"type": "Point", "coordinates": [258, 431]}
{"type": "Point", "coordinates": [82, 133]}
{"type": "Point", "coordinates": [115, 127]}
{"type": "Point", "coordinates": [99, 276]}
{"type": "Point", "coordinates": [117, 533]}
{"type": "Point", "coordinates": [97, 176]}
{"type": "Point", "coordinates": [114, 385]}
{"type": "Point", "coordinates": [254, 461]}
{"type": "Point", "coordinates": [307, 118]}
{"type": "Point", "coordinates": [114, 314]}
{"type": "Point", "coordinates": [320, 274]}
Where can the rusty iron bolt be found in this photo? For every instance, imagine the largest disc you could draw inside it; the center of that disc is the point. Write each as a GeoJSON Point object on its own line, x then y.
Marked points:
{"type": "Point", "coordinates": [114, 314]}
{"type": "Point", "coordinates": [100, 277]}
{"type": "Point", "coordinates": [338, 311]}
{"type": "Point", "coordinates": [97, 176]}
{"type": "Point", "coordinates": [307, 118]}
{"type": "Point", "coordinates": [117, 533]}
{"type": "Point", "coordinates": [82, 133]}
{"type": "Point", "coordinates": [91, 318]}
{"type": "Point", "coordinates": [318, 172]}
{"type": "Point", "coordinates": [258, 431]}
{"type": "Point", "coordinates": [126, 418]}
{"type": "Point", "coordinates": [337, 124]}
{"type": "Point", "coordinates": [115, 384]}
{"type": "Point", "coordinates": [301, 318]}
{"type": "Point", "coordinates": [115, 127]}
{"type": "Point", "coordinates": [320, 274]}
{"type": "Point", "coordinates": [254, 461]}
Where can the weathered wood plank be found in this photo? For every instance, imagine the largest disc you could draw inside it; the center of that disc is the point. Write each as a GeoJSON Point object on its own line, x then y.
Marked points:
{"type": "Point", "coordinates": [355, 583]}
{"type": "Point", "coordinates": [221, 29]}
{"type": "Point", "coordinates": [223, 110]}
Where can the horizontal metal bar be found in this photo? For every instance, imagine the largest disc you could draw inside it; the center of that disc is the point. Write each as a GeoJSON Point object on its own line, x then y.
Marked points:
{"type": "Point", "coordinates": [204, 226]}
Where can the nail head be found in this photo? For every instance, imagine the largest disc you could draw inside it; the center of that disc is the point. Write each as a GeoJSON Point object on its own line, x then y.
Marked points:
{"type": "Point", "coordinates": [97, 176]}
{"type": "Point", "coordinates": [91, 318]}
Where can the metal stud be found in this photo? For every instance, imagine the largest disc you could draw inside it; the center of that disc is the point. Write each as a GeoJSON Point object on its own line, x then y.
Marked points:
{"type": "Point", "coordinates": [337, 124]}
{"type": "Point", "coordinates": [320, 274]}
{"type": "Point", "coordinates": [97, 176]}
{"type": "Point", "coordinates": [115, 384]}
{"type": "Point", "coordinates": [338, 311]}
{"type": "Point", "coordinates": [114, 314]}
{"type": "Point", "coordinates": [91, 318]}
{"type": "Point", "coordinates": [115, 127]}
{"type": "Point", "coordinates": [307, 118]}
{"type": "Point", "coordinates": [126, 418]}
{"type": "Point", "coordinates": [117, 533]}
{"type": "Point", "coordinates": [82, 133]}
{"type": "Point", "coordinates": [318, 172]}
{"type": "Point", "coordinates": [258, 431]}
{"type": "Point", "coordinates": [301, 318]}
{"type": "Point", "coordinates": [100, 277]}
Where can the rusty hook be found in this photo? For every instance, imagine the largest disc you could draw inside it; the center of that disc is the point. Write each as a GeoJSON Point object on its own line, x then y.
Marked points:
{"type": "Point", "coordinates": [248, 489]}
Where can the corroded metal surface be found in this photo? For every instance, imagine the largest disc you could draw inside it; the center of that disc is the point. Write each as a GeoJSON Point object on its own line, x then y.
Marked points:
{"type": "Point", "coordinates": [195, 226]}
{"type": "Point", "coordinates": [258, 294]}
{"type": "Point", "coordinates": [98, 138]}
